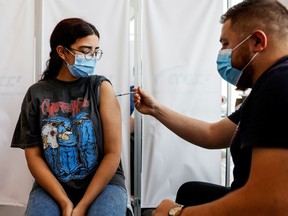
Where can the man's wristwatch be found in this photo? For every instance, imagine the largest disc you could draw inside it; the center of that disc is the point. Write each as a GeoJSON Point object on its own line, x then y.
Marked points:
{"type": "Point", "coordinates": [176, 210]}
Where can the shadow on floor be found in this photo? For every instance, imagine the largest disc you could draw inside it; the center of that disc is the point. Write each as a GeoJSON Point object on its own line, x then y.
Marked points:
{"type": "Point", "coordinates": [11, 210]}
{"type": "Point", "coordinates": [146, 211]}
{"type": "Point", "coordinates": [19, 211]}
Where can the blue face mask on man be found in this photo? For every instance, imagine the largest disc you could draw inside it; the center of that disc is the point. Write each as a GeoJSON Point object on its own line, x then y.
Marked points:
{"type": "Point", "coordinates": [224, 64]}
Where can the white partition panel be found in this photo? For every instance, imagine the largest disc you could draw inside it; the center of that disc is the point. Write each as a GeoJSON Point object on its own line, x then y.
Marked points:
{"type": "Point", "coordinates": [16, 74]}
{"type": "Point", "coordinates": [180, 46]}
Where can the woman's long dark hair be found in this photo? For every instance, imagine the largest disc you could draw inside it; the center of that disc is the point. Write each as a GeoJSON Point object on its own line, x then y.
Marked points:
{"type": "Point", "coordinates": [65, 33]}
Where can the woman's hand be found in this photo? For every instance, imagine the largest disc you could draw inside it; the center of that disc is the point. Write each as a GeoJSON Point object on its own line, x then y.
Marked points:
{"type": "Point", "coordinates": [67, 209]}
{"type": "Point", "coordinates": [79, 211]}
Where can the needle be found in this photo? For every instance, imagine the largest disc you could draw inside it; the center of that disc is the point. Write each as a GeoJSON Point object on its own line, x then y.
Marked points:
{"type": "Point", "coordinates": [117, 95]}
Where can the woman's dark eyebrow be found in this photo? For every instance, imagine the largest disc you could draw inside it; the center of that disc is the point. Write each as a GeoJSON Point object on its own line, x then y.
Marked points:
{"type": "Point", "coordinates": [88, 47]}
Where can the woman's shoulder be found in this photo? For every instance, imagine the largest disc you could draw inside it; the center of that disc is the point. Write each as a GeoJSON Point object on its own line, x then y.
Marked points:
{"type": "Point", "coordinates": [37, 85]}
{"type": "Point", "coordinates": [98, 78]}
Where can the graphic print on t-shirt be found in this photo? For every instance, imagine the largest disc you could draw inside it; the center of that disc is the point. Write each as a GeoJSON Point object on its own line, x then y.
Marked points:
{"type": "Point", "coordinates": [70, 145]}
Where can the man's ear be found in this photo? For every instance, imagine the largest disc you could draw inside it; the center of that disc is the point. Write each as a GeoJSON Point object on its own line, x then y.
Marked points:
{"type": "Point", "coordinates": [260, 40]}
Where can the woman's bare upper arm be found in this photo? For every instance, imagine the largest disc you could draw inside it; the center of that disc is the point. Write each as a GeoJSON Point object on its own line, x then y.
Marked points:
{"type": "Point", "coordinates": [31, 152]}
{"type": "Point", "coordinates": [111, 116]}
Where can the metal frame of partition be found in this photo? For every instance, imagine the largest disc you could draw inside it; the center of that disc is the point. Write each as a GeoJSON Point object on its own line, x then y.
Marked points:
{"type": "Point", "coordinates": [228, 154]}
{"type": "Point", "coordinates": [138, 117]}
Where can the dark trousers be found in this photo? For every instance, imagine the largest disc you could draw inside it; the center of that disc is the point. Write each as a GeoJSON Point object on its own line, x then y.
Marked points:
{"type": "Point", "coordinates": [196, 193]}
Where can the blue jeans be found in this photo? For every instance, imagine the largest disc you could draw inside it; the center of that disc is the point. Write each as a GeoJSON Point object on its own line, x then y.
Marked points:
{"type": "Point", "coordinates": [111, 202]}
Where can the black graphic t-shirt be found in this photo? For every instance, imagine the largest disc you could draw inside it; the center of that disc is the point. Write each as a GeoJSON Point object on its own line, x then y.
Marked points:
{"type": "Point", "coordinates": [63, 118]}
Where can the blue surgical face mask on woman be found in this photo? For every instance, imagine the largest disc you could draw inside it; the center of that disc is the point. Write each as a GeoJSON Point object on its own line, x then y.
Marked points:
{"type": "Point", "coordinates": [224, 64]}
{"type": "Point", "coordinates": [82, 67]}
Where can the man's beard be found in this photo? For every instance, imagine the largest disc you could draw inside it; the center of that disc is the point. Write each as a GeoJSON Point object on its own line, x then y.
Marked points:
{"type": "Point", "coordinates": [246, 79]}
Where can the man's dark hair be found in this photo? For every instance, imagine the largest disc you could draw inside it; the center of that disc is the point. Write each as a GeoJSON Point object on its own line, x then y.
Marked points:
{"type": "Point", "coordinates": [269, 16]}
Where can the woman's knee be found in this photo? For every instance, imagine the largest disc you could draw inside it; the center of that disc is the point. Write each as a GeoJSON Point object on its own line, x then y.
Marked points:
{"type": "Point", "coordinates": [112, 201]}
{"type": "Point", "coordinates": [41, 203]}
